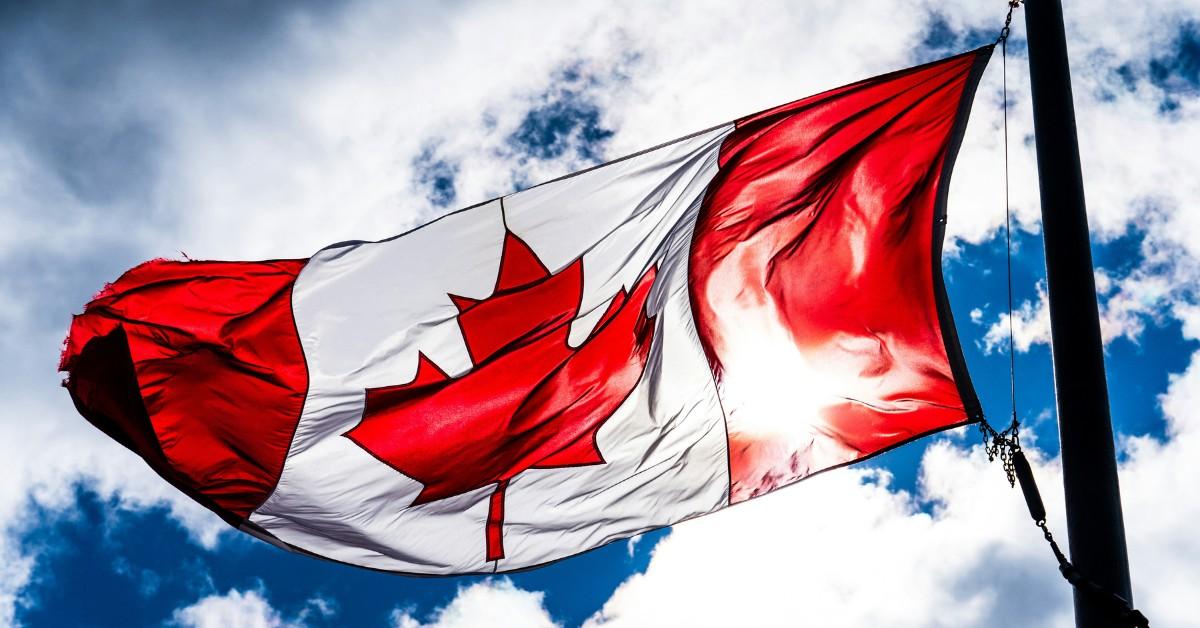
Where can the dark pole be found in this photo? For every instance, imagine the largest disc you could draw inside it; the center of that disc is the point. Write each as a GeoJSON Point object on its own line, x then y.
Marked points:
{"type": "Point", "coordinates": [1094, 523]}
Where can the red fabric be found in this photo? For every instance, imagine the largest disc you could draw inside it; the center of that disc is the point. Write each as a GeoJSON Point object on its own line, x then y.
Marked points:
{"type": "Point", "coordinates": [823, 210]}
{"type": "Point", "coordinates": [196, 366]}
{"type": "Point", "coordinates": [530, 400]}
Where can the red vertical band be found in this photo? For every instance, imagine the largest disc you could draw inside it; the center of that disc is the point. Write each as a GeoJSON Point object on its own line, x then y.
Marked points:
{"type": "Point", "coordinates": [825, 219]}
{"type": "Point", "coordinates": [196, 367]}
{"type": "Point", "coordinates": [495, 522]}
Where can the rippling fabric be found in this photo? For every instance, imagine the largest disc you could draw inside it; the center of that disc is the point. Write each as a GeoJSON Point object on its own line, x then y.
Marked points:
{"type": "Point", "coordinates": [607, 353]}
{"type": "Point", "coordinates": [816, 267]}
{"type": "Point", "coordinates": [195, 366]}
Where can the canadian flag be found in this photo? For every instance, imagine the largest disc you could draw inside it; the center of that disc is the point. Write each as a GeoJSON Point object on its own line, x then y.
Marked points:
{"type": "Point", "coordinates": [614, 351]}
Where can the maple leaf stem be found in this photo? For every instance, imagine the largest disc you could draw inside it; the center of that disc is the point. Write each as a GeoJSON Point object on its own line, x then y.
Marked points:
{"type": "Point", "coordinates": [495, 522]}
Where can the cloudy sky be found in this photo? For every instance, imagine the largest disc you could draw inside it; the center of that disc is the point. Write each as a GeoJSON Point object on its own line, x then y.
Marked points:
{"type": "Point", "coordinates": [247, 130]}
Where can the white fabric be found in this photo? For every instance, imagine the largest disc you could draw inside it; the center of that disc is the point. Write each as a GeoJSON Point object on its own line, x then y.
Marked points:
{"type": "Point", "coordinates": [363, 311]}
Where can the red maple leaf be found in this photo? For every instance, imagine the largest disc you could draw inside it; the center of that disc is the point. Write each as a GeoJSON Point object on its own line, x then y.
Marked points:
{"type": "Point", "coordinates": [530, 400]}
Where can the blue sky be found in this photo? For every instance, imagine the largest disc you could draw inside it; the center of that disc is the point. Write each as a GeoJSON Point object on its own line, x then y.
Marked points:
{"type": "Point", "coordinates": [133, 130]}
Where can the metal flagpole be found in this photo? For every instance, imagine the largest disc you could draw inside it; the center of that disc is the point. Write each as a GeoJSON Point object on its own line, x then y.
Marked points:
{"type": "Point", "coordinates": [1094, 522]}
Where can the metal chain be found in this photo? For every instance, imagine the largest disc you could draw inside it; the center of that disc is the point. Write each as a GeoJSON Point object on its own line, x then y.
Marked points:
{"type": "Point", "coordinates": [1005, 445]}
{"type": "Point", "coordinates": [1012, 6]}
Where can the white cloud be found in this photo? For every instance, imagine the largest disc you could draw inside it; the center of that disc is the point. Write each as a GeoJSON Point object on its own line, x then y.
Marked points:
{"type": "Point", "coordinates": [1155, 481]}
{"type": "Point", "coordinates": [1030, 325]}
{"type": "Point", "coordinates": [234, 609]}
{"type": "Point", "coordinates": [845, 549]}
{"type": "Point", "coordinates": [45, 461]}
{"type": "Point", "coordinates": [330, 147]}
{"type": "Point", "coordinates": [15, 571]}
{"type": "Point", "coordinates": [1164, 285]}
{"type": "Point", "coordinates": [631, 544]}
{"type": "Point", "coordinates": [1130, 153]}
{"type": "Point", "coordinates": [318, 606]}
{"type": "Point", "coordinates": [248, 609]}
{"type": "Point", "coordinates": [493, 602]}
